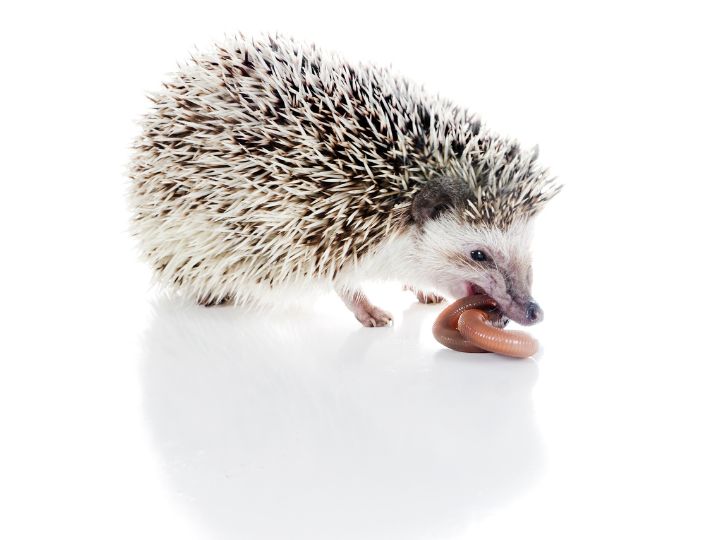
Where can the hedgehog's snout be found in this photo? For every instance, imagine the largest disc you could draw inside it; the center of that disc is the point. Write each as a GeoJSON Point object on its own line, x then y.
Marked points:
{"type": "Point", "coordinates": [533, 312]}
{"type": "Point", "coordinates": [525, 312]}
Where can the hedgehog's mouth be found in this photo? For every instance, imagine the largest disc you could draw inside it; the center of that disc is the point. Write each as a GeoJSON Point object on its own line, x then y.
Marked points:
{"type": "Point", "coordinates": [500, 320]}
{"type": "Point", "coordinates": [472, 289]}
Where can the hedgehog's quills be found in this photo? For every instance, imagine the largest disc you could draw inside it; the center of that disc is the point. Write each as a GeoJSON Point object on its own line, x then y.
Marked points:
{"type": "Point", "coordinates": [266, 167]}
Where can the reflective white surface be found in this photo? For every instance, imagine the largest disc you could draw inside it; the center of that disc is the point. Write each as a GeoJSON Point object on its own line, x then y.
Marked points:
{"type": "Point", "coordinates": [125, 414]}
{"type": "Point", "coordinates": [320, 429]}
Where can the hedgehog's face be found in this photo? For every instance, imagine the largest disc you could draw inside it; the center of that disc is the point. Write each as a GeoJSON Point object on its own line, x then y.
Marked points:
{"type": "Point", "coordinates": [460, 257]}
{"type": "Point", "coordinates": [468, 259]}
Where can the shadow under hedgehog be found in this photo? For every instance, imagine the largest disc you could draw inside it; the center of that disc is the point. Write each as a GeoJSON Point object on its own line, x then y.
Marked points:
{"type": "Point", "coordinates": [266, 168]}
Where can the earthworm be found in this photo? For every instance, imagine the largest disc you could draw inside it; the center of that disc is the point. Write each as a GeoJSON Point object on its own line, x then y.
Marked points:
{"type": "Point", "coordinates": [463, 326]}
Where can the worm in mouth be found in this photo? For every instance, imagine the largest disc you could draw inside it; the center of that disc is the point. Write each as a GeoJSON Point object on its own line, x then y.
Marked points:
{"type": "Point", "coordinates": [463, 326]}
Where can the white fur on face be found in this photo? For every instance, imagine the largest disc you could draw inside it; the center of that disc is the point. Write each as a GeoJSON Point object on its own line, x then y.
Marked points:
{"type": "Point", "coordinates": [443, 250]}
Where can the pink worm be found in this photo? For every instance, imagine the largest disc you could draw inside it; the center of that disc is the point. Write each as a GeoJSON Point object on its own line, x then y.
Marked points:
{"type": "Point", "coordinates": [463, 326]}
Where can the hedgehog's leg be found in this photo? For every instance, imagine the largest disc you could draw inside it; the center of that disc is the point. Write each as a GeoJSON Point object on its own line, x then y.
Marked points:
{"type": "Point", "coordinates": [364, 311]}
{"type": "Point", "coordinates": [210, 301]}
{"type": "Point", "coordinates": [424, 297]}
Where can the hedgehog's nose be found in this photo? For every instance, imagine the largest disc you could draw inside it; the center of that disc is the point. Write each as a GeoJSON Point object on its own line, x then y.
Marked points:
{"type": "Point", "coordinates": [534, 314]}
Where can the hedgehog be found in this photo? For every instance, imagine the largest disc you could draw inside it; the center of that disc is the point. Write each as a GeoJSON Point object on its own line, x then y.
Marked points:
{"type": "Point", "coordinates": [266, 168]}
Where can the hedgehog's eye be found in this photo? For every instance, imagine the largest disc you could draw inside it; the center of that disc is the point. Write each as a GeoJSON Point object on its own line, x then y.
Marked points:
{"type": "Point", "coordinates": [478, 255]}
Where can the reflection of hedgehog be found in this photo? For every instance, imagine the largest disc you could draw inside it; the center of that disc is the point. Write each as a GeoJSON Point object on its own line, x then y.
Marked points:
{"type": "Point", "coordinates": [265, 167]}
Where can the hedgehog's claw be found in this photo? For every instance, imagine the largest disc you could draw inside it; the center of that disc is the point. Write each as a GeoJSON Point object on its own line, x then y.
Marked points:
{"type": "Point", "coordinates": [424, 297]}
{"type": "Point", "coordinates": [374, 316]}
{"type": "Point", "coordinates": [368, 314]}
{"type": "Point", "coordinates": [429, 298]}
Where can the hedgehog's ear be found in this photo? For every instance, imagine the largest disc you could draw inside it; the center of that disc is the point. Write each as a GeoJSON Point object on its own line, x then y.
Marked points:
{"type": "Point", "coordinates": [438, 195]}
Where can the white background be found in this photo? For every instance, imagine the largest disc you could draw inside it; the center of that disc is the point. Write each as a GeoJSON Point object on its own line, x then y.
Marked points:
{"type": "Point", "coordinates": [126, 415]}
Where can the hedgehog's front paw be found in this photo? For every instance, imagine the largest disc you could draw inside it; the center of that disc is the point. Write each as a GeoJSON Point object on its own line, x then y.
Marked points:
{"type": "Point", "coordinates": [428, 297]}
{"type": "Point", "coordinates": [363, 310]}
{"type": "Point", "coordinates": [373, 316]}
{"type": "Point", "coordinates": [424, 297]}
